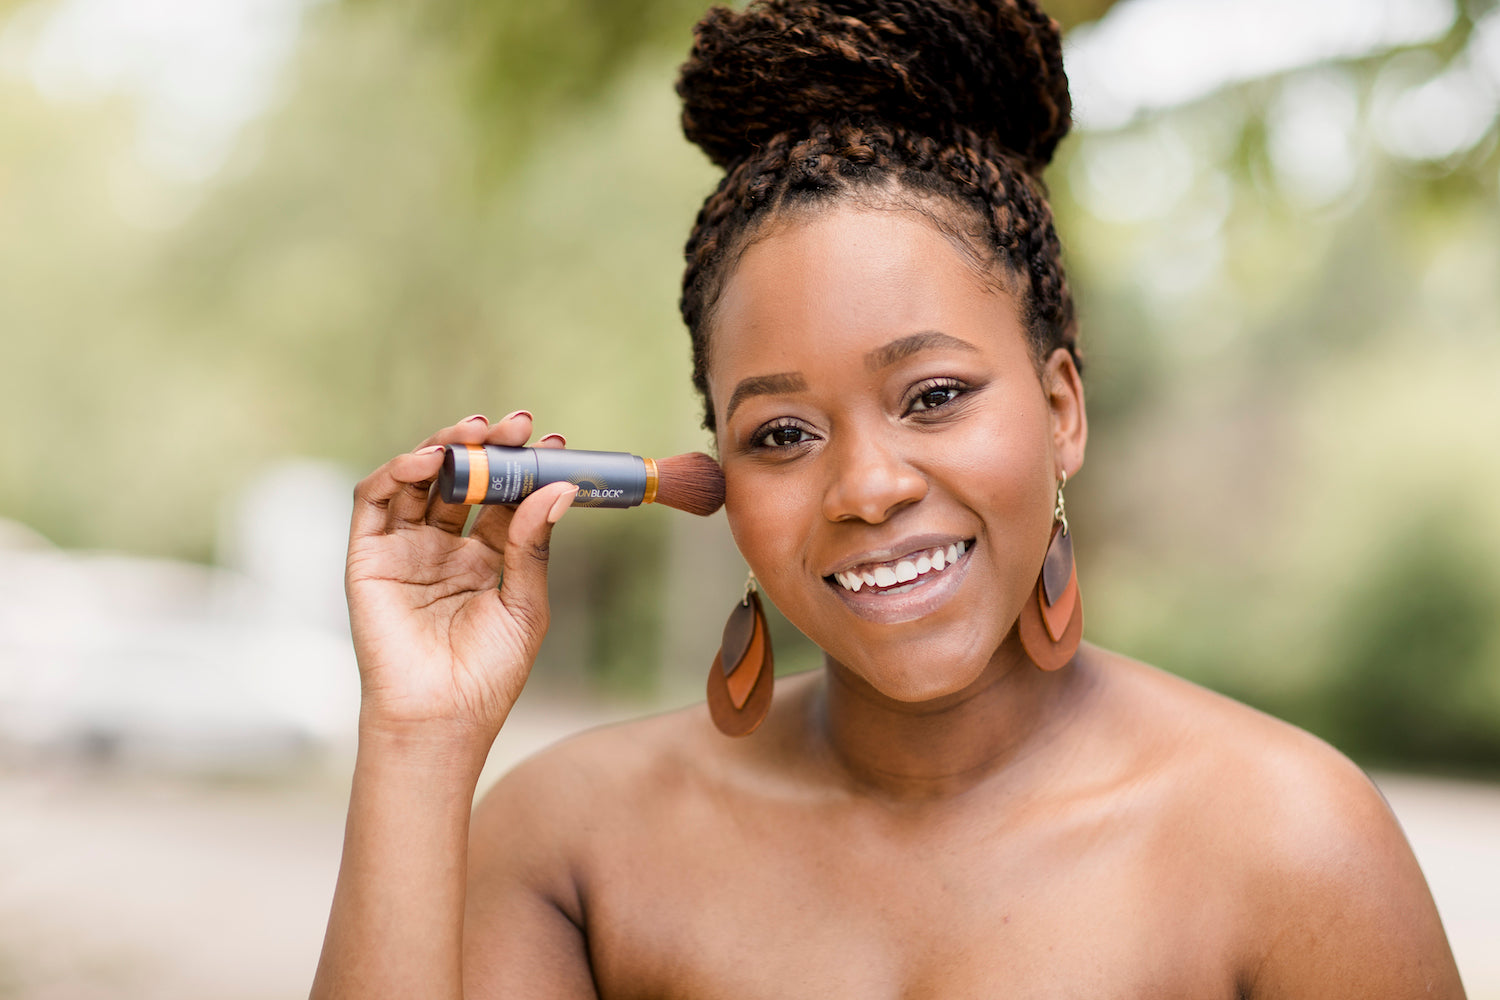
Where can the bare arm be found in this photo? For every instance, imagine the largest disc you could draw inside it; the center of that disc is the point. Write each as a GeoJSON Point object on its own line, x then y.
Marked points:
{"type": "Point", "coordinates": [397, 920]}
{"type": "Point", "coordinates": [443, 654]}
{"type": "Point", "coordinates": [524, 927]}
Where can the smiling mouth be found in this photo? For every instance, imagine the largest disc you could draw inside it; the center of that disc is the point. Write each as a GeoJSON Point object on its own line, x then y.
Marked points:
{"type": "Point", "coordinates": [901, 575]}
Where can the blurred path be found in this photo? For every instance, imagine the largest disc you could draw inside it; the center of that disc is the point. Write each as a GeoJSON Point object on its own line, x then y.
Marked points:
{"type": "Point", "coordinates": [1454, 828]}
{"type": "Point", "coordinates": [116, 886]}
{"type": "Point", "coordinates": [127, 887]}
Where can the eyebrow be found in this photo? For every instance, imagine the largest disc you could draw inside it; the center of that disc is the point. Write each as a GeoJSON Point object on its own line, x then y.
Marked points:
{"type": "Point", "coordinates": [904, 347]}
{"type": "Point", "coordinates": [764, 385]}
{"type": "Point", "coordinates": [880, 357]}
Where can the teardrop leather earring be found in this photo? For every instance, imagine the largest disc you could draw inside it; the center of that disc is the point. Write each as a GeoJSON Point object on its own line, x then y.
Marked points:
{"type": "Point", "coordinates": [743, 675]}
{"type": "Point", "coordinates": [1051, 622]}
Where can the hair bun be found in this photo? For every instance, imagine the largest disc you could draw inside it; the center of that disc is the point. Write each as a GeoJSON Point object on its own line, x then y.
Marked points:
{"type": "Point", "coordinates": [993, 66]}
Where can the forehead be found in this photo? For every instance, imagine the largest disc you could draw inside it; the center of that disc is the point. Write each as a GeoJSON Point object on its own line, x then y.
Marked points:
{"type": "Point", "coordinates": [842, 280]}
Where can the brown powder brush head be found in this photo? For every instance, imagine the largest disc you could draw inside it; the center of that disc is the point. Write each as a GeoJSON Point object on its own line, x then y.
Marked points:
{"type": "Point", "coordinates": [692, 482]}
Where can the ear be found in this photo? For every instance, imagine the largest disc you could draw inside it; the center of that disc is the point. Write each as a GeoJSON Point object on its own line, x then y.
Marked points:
{"type": "Point", "coordinates": [1070, 422]}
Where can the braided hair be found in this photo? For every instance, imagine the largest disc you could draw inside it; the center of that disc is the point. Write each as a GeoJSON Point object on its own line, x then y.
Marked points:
{"type": "Point", "coordinates": [948, 107]}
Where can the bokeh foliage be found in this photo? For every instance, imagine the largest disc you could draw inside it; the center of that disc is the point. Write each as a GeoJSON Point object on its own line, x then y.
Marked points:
{"type": "Point", "coordinates": [462, 206]}
{"type": "Point", "coordinates": [1294, 402]}
{"type": "Point", "coordinates": [526, 63]}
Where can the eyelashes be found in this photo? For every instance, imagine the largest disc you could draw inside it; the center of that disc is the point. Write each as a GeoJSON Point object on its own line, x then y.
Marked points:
{"type": "Point", "coordinates": [934, 393]}
{"type": "Point", "coordinates": [927, 401]}
{"type": "Point", "coordinates": [783, 432]}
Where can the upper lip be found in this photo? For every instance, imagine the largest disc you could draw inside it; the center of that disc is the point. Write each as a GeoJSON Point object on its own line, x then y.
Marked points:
{"type": "Point", "coordinates": [912, 546]}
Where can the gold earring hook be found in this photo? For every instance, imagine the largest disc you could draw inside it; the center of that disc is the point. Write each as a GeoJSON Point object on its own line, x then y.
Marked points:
{"type": "Point", "coordinates": [1060, 508]}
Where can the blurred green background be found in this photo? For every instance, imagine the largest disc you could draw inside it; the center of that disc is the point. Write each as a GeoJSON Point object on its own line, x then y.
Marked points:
{"type": "Point", "coordinates": [1288, 275]}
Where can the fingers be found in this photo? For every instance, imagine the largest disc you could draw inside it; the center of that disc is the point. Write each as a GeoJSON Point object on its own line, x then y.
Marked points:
{"type": "Point", "coordinates": [399, 493]}
{"type": "Point", "coordinates": [523, 588]}
{"type": "Point", "coordinates": [511, 430]}
{"type": "Point", "coordinates": [492, 526]}
{"type": "Point", "coordinates": [393, 485]}
{"type": "Point", "coordinates": [409, 505]}
{"type": "Point", "coordinates": [461, 432]}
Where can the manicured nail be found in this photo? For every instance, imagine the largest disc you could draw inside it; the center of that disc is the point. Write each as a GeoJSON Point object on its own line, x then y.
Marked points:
{"type": "Point", "coordinates": [514, 414]}
{"type": "Point", "coordinates": [560, 506]}
{"type": "Point", "coordinates": [430, 449]}
{"type": "Point", "coordinates": [476, 418]}
{"type": "Point", "coordinates": [554, 437]}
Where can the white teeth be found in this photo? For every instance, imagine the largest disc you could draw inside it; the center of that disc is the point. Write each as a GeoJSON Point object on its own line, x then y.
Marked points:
{"type": "Point", "coordinates": [903, 572]}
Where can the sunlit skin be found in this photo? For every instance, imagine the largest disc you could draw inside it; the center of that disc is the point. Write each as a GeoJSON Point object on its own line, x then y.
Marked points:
{"type": "Point", "coordinates": [928, 816]}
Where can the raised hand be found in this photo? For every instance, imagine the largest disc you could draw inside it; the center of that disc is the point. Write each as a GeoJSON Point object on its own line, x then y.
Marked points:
{"type": "Point", "coordinates": [441, 648]}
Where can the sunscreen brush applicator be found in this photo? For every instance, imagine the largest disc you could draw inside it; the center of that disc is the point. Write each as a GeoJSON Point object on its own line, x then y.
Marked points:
{"type": "Point", "coordinates": [490, 473]}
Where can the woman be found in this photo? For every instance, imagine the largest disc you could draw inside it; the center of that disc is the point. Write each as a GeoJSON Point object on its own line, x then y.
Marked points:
{"type": "Point", "coordinates": [959, 804]}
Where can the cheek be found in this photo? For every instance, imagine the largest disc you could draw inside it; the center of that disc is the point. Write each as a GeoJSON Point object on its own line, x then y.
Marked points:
{"type": "Point", "coordinates": [1002, 470]}
{"type": "Point", "coordinates": [769, 518]}
{"type": "Point", "coordinates": [1008, 457]}
{"type": "Point", "coordinates": [762, 512]}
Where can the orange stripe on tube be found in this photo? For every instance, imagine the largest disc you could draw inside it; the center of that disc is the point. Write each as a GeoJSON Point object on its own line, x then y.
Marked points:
{"type": "Point", "coordinates": [479, 474]}
{"type": "Point", "coordinates": [651, 481]}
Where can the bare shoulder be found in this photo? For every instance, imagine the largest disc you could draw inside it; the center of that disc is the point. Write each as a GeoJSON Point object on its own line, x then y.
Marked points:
{"type": "Point", "coordinates": [628, 774]}
{"type": "Point", "coordinates": [540, 831]}
{"type": "Point", "coordinates": [1265, 768]}
{"type": "Point", "coordinates": [622, 790]}
{"type": "Point", "coordinates": [1328, 890]}
{"type": "Point", "coordinates": [588, 778]}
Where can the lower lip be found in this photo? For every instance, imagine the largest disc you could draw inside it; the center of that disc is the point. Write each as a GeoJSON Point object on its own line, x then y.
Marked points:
{"type": "Point", "coordinates": [927, 593]}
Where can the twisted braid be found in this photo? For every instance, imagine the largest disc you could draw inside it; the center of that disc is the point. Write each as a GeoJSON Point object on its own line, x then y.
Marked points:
{"type": "Point", "coordinates": [948, 107]}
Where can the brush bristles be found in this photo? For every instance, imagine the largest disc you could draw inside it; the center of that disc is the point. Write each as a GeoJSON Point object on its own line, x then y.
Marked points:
{"type": "Point", "coordinates": [692, 482]}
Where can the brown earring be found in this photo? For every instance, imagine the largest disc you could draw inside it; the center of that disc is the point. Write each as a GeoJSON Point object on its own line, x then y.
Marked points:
{"type": "Point", "coordinates": [1051, 622]}
{"type": "Point", "coordinates": [741, 680]}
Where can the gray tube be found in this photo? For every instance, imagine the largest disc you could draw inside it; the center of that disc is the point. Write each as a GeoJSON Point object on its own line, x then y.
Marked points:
{"type": "Point", "coordinates": [603, 478]}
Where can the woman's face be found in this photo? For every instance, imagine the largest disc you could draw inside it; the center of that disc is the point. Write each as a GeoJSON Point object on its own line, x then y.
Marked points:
{"type": "Point", "coordinates": [879, 410]}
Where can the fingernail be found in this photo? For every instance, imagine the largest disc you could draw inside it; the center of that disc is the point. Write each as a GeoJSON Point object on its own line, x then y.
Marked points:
{"type": "Point", "coordinates": [476, 418]}
{"type": "Point", "coordinates": [429, 449]}
{"type": "Point", "coordinates": [560, 507]}
{"type": "Point", "coordinates": [516, 413]}
{"type": "Point", "coordinates": [554, 437]}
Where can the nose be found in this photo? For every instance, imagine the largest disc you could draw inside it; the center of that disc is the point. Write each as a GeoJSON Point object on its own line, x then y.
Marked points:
{"type": "Point", "coordinates": [869, 480]}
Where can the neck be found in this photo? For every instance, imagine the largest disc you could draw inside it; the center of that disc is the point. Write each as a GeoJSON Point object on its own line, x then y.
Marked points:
{"type": "Point", "coordinates": [943, 748]}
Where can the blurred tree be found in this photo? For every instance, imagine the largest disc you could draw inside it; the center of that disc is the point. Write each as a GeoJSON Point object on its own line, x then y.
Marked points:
{"type": "Point", "coordinates": [342, 288]}
{"type": "Point", "coordinates": [1414, 683]}
{"type": "Point", "coordinates": [1289, 290]}
{"type": "Point", "coordinates": [530, 62]}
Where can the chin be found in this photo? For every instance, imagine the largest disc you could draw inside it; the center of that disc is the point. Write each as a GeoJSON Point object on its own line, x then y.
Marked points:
{"type": "Point", "coordinates": [928, 676]}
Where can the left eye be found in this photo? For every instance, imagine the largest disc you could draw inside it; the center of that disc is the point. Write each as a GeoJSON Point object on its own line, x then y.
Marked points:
{"type": "Point", "coordinates": [785, 436]}
{"type": "Point", "coordinates": [934, 396]}
{"type": "Point", "coordinates": [781, 436]}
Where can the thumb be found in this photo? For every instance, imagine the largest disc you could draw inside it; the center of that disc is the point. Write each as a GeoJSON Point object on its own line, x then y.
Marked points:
{"type": "Point", "coordinates": [523, 587]}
